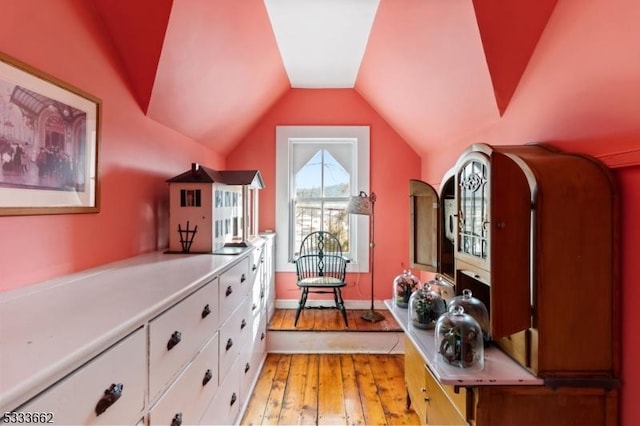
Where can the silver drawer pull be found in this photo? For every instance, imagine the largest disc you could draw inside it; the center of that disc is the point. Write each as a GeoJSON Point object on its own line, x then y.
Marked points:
{"type": "Point", "coordinates": [175, 338]}
{"type": "Point", "coordinates": [111, 395]}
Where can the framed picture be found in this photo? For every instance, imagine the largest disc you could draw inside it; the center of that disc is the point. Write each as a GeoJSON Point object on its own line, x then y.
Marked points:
{"type": "Point", "coordinates": [49, 133]}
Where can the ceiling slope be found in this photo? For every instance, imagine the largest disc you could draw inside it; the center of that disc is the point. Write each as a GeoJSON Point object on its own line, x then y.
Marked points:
{"type": "Point", "coordinates": [424, 71]}
{"type": "Point", "coordinates": [510, 31]}
{"type": "Point", "coordinates": [218, 70]}
{"type": "Point", "coordinates": [435, 70]}
{"type": "Point", "coordinates": [137, 31]}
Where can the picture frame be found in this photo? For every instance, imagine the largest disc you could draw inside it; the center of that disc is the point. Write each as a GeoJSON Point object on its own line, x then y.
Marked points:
{"type": "Point", "coordinates": [49, 143]}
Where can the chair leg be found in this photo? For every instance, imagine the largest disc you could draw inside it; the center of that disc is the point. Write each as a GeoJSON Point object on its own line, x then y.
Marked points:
{"type": "Point", "coordinates": [301, 303]}
{"type": "Point", "coordinates": [340, 305]}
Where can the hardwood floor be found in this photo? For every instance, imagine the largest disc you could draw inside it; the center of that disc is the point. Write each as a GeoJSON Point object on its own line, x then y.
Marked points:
{"type": "Point", "coordinates": [330, 389]}
{"type": "Point", "coordinates": [330, 320]}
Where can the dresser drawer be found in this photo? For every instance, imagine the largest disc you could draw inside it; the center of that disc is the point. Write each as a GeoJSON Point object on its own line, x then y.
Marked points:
{"type": "Point", "coordinates": [257, 294]}
{"type": "Point", "coordinates": [252, 358]}
{"type": "Point", "coordinates": [259, 329]}
{"type": "Point", "coordinates": [176, 335]}
{"type": "Point", "coordinates": [256, 263]}
{"type": "Point", "coordinates": [414, 376]}
{"type": "Point", "coordinates": [234, 286]}
{"type": "Point", "coordinates": [444, 405]}
{"type": "Point", "coordinates": [78, 398]}
{"type": "Point", "coordinates": [234, 336]}
{"type": "Point", "coordinates": [226, 405]}
{"type": "Point", "coordinates": [192, 392]}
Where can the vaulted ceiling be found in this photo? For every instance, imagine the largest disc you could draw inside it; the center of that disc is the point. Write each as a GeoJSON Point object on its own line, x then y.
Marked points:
{"type": "Point", "coordinates": [211, 68]}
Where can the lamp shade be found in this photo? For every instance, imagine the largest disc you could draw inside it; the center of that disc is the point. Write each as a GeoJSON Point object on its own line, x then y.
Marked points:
{"type": "Point", "coordinates": [361, 204]}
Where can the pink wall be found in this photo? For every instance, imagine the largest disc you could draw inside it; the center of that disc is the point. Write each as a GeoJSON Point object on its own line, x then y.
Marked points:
{"type": "Point", "coordinates": [391, 171]}
{"type": "Point", "coordinates": [136, 153]}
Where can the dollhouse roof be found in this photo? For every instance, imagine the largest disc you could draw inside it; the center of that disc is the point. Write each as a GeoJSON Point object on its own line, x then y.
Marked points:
{"type": "Point", "coordinates": [201, 174]}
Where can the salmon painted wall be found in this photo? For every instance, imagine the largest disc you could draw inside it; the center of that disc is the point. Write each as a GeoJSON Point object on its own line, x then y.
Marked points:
{"type": "Point", "coordinates": [580, 92]}
{"type": "Point", "coordinates": [136, 153]}
{"type": "Point", "coordinates": [393, 163]}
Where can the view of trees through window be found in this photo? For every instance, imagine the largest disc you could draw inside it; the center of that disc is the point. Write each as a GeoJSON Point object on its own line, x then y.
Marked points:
{"type": "Point", "coordinates": [322, 190]}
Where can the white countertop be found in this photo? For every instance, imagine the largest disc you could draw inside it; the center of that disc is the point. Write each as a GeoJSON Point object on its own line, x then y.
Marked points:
{"type": "Point", "coordinates": [499, 368]}
{"type": "Point", "coordinates": [48, 329]}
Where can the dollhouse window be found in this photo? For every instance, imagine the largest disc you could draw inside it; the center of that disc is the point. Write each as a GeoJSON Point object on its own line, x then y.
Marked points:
{"type": "Point", "coordinates": [190, 198]}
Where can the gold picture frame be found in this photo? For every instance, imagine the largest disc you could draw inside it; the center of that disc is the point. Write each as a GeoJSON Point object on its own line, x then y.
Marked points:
{"type": "Point", "coordinates": [49, 142]}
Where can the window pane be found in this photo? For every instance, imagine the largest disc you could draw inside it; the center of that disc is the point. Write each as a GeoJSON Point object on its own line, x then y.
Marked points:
{"type": "Point", "coordinates": [308, 180]}
{"type": "Point", "coordinates": [322, 176]}
{"type": "Point", "coordinates": [336, 178]}
{"type": "Point", "coordinates": [308, 218]}
{"type": "Point", "coordinates": [327, 216]}
{"type": "Point", "coordinates": [336, 221]}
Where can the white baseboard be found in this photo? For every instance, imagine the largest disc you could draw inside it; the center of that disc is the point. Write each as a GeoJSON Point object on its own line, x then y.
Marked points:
{"type": "Point", "coordinates": [349, 304]}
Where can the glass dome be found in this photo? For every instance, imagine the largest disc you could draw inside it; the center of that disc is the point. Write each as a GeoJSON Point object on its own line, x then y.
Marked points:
{"type": "Point", "coordinates": [442, 287]}
{"type": "Point", "coordinates": [425, 307]}
{"type": "Point", "coordinates": [474, 307]}
{"type": "Point", "coordinates": [403, 287]}
{"type": "Point", "coordinates": [459, 341]}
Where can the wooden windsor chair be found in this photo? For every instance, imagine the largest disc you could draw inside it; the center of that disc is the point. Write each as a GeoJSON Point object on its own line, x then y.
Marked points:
{"type": "Point", "coordinates": [321, 268]}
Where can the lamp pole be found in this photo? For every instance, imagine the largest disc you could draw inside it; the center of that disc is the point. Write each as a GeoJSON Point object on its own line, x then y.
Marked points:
{"type": "Point", "coordinates": [372, 315]}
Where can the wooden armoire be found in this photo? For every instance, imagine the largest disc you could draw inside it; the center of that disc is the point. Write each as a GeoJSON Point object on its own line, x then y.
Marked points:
{"type": "Point", "coordinates": [533, 232]}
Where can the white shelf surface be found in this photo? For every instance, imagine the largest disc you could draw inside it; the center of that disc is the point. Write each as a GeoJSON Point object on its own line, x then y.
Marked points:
{"type": "Point", "coordinates": [499, 368]}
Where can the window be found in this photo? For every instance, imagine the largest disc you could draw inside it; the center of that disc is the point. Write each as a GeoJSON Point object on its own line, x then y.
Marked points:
{"type": "Point", "coordinates": [320, 195]}
{"type": "Point", "coordinates": [317, 169]}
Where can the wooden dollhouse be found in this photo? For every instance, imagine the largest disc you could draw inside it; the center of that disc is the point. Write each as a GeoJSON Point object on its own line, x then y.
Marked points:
{"type": "Point", "coordinates": [213, 211]}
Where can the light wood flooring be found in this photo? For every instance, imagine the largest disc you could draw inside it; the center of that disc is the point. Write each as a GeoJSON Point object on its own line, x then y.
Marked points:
{"type": "Point", "coordinates": [330, 389]}
{"type": "Point", "coordinates": [330, 320]}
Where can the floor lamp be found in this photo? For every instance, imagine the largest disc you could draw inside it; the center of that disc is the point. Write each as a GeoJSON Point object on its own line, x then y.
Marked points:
{"type": "Point", "coordinates": [363, 204]}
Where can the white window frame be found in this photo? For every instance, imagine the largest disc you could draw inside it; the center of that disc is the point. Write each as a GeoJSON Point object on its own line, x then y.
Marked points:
{"type": "Point", "coordinates": [359, 225]}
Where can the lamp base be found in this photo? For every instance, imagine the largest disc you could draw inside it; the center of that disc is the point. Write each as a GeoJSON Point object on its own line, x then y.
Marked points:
{"type": "Point", "coordinates": [372, 316]}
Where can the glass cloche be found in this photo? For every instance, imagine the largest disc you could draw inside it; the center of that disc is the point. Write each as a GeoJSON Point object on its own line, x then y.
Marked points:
{"type": "Point", "coordinates": [442, 287]}
{"type": "Point", "coordinates": [459, 341]}
{"type": "Point", "coordinates": [403, 287]}
{"type": "Point", "coordinates": [474, 307]}
{"type": "Point", "coordinates": [425, 307]}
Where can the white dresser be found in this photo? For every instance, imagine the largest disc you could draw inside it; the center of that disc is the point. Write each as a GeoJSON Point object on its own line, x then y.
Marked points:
{"type": "Point", "coordinates": [159, 339]}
